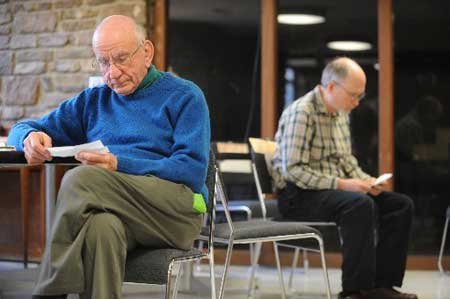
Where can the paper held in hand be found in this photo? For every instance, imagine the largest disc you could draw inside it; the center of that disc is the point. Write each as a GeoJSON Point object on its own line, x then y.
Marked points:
{"type": "Point", "coordinates": [382, 178]}
{"type": "Point", "coordinates": [69, 151]}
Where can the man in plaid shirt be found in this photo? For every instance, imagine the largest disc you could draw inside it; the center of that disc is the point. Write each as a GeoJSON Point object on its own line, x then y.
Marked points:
{"type": "Point", "coordinates": [318, 179]}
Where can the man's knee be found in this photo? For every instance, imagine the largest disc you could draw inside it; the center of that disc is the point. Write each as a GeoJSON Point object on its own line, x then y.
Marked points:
{"type": "Point", "coordinates": [81, 176]}
{"type": "Point", "coordinates": [405, 203]}
{"type": "Point", "coordinates": [106, 227]}
{"type": "Point", "coordinates": [363, 206]}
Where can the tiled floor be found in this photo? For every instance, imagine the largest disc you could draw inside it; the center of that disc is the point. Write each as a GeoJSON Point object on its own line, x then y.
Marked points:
{"type": "Point", "coordinates": [17, 283]}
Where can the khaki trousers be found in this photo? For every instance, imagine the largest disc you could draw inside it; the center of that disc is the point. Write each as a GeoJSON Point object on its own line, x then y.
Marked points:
{"type": "Point", "coordinates": [100, 215]}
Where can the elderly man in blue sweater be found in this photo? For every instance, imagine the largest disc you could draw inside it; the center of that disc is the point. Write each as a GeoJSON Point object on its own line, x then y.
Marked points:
{"type": "Point", "coordinates": [144, 192]}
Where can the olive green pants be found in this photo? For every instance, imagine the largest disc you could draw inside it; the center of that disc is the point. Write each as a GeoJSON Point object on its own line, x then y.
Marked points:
{"type": "Point", "coordinates": [100, 215]}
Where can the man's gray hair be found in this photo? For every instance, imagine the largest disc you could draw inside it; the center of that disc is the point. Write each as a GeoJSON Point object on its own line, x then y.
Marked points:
{"type": "Point", "coordinates": [336, 70]}
{"type": "Point", "coordinates": [141, 34]}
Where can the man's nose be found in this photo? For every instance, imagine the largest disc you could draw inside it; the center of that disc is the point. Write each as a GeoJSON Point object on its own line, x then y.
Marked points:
{"type": "Point", "coordinates": [114, 71]}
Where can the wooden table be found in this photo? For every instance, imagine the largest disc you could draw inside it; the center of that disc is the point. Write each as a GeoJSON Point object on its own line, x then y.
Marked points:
{"type": "Point", "coordinates": [17, 159]}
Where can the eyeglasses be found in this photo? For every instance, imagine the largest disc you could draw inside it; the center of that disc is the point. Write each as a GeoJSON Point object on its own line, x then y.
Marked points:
{"type": "Point", "coordinates": [120, 59]}
{"type": "Point", "coordinates": [353, 95]}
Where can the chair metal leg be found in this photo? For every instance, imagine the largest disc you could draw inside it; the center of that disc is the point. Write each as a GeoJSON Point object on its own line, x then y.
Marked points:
{"type": "Point", "coordinates": [305, 261]}
{"type": "Point", "coordinates": [293, 267]}
{"type": "Point", "coordinates": [441, 251]}
{"type": "Point", "coordinates": [225, 268]}
{"type": "Point", "coordinates": [176, 283]}
{"type": "Point", "coordinates": [169, 281]}
{"type": "Point", "coordinates": [324, 266]}
{"type": "Point", "coordinates": [280, 273]}
{"type": "Point", "coordinates": [212, 274]}
{"type": "Point", "coordinates": [254, 266]}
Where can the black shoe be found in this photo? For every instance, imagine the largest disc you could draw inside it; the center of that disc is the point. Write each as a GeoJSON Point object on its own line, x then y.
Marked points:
{"type": "Point", "coordinates": [389, 293]}
{"type": "Point", "coordinates": [351, 295]}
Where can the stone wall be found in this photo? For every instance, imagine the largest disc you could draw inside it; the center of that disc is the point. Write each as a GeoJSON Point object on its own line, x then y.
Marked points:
{"type": "Point", "coordinates": [45, 50]}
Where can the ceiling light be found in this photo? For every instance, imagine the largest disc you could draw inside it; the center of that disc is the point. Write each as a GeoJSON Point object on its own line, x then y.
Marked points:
{"type": "Point", "coordinates": [300, 19]}
{"type": "Point", "coordinates": [349, 45]}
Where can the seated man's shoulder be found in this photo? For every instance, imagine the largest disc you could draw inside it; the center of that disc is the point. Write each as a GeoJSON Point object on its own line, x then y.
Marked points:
{"type": "Point", "coordinates": [183, 86]}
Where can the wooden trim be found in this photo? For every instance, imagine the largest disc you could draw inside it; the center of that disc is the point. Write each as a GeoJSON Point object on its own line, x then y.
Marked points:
{"type": "Point", "coordinates": [24, 201]}
{"type": "Point", "coordinates": [159, 33]}
{"type": "Point", "coordinates": [269, 68]}
{"type": "Point", "coordinates": [386, 88]}
{"type": "Point", "coordinates": [333, 259]}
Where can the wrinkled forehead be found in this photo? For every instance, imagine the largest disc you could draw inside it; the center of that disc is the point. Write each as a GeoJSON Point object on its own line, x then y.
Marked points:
{"type": "Point", "coordinates": [111, 38]}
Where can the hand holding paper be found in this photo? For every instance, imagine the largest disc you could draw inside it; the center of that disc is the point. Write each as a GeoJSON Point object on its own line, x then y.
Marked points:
{"type": "Point", "coordinates": [382, 179]}
{"type": "Point", "coordinates": [69, 151]}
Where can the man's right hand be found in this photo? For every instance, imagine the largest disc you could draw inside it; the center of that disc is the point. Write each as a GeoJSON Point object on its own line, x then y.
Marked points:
{"type": "Point", "coordinates": [355, 185]}
{"type": "Point", "coordinates": [35, 147]}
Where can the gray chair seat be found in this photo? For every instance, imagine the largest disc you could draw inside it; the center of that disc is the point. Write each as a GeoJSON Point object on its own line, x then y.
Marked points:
{"type": "Point", "coordinates": [150, 266]}
{"type": "Point", "coordinates": [258, 228]}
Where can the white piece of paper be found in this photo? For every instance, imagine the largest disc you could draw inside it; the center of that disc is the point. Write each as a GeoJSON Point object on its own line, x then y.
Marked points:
{"type": "Point", "coordinates": [70, 151]}
{"type": "Point", "coordinates": [382, 178]}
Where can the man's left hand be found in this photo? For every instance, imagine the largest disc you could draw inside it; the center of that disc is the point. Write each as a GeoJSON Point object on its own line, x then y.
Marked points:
{"type": "Point", "coordinates": [104, 160]}
{"type": "Point", "coordinates": [375, 190]}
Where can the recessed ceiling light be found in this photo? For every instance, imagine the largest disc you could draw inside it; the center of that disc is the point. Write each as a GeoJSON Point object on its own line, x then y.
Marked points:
{"type": "Point", "coordinates": [300, 19]}
{"type": "Point", "coordinates": [349, 45]}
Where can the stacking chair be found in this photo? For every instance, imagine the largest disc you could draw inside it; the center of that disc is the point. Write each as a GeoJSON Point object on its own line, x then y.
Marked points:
{"type": "Point", "coordinates": [154, 266]}
{"type": "Point", "coordinates": [236, 152]}
{"type": "Point", "coordinates": [444, 237]}
{"type": "Point", "coordinates": [262, 152]}
{"type": "Point", "coordinates": [257, 231]}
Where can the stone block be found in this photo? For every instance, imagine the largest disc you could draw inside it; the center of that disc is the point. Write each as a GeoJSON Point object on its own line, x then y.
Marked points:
{"type": "Point", "coordinates": [77, 25]}
{"type": "Point", "coordinates": [70, 83]}
{"type": "Point", "coordinates": [36, 6]}
{"type": "Point", "coordinates": [72, 53]}
{"type": "Point", "coordinates": [66, 3]}
{"type": "Point", "coordinates": [47, 84]}
{"type": "Point", "coordinates": [29, 68]}
{"type": "Point", "coordinates": [4, 8]}
{"type": "Point", "coordinates": [5, 29]}
{"type": "Point", "coordinates": [6, 63]}
{"type": "Point", "coordinates": [33, 55]}
{"type": "Point", "coordinates": [36, 111]}
{"type": "Point", "coordinates": [13, 112]}
{"type": "Point", "coordinates": [67, 66]}
{"type": "Point", "coordinates": [88, 67]}
{"type": "Point", "coordinates": [20, 90]}
{"type": "Point", "coordinates": [35, 22]}
{"type": "Point", "coordinates": [96, 2]}
{"type": "Point", "coordinates": [82, 38]}
{"type": "Point", "coordinates": [79, 13]}
{"type": "Point", "coordinates": [4, 42]}
{"type": "Point", "coordinates": [17, 6]}
{"type": "Point", "coordinates": [53, 40]}
{"type": "Point", "coordinates": [23, 41]}
{"type": "Point", "coordinates": [53, 99]}
{"type": "Point", "coordinates": [137, 11]}
{"type": "Point", "coordinates": [5, 18]}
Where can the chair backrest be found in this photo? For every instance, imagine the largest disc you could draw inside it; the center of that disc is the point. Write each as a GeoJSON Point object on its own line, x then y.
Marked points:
{"type": "Point", "coordinates": [262, 152]}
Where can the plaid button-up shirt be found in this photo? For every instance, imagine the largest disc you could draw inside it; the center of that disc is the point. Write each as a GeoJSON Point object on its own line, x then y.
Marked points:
{"type": "Point", "coordinates": [313, 146]}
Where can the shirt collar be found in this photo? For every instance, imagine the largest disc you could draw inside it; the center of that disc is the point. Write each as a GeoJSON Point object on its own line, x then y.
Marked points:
{"type": "Point", "coordinates": [320, 104]}
{"type": "Point", "coordinates": [152, 76]}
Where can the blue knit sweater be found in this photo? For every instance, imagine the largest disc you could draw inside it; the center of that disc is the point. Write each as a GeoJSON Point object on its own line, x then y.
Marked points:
{"type": "Point", "coordinates": [162, 130]}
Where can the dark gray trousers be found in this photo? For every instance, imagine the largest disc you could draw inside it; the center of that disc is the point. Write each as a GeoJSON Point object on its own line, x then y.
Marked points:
{"type": "Point", "coordinates": [365, 264]}
{"type": "Point", "coordinates": [100, 215]}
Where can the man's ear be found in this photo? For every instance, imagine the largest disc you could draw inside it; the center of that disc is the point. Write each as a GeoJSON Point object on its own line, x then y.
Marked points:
{"type": "Point", "coordinates": [149, 52]}
{"type": "Point", "coordinates": [330, 86]}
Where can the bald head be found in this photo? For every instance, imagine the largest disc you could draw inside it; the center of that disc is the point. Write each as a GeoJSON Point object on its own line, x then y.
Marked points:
{"type": "Point", "coordinates": [118, 27]}
{"type": "Point", "coordinates": [123, 54]}
{"type": "Point", "coordinates": [340, 69]}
